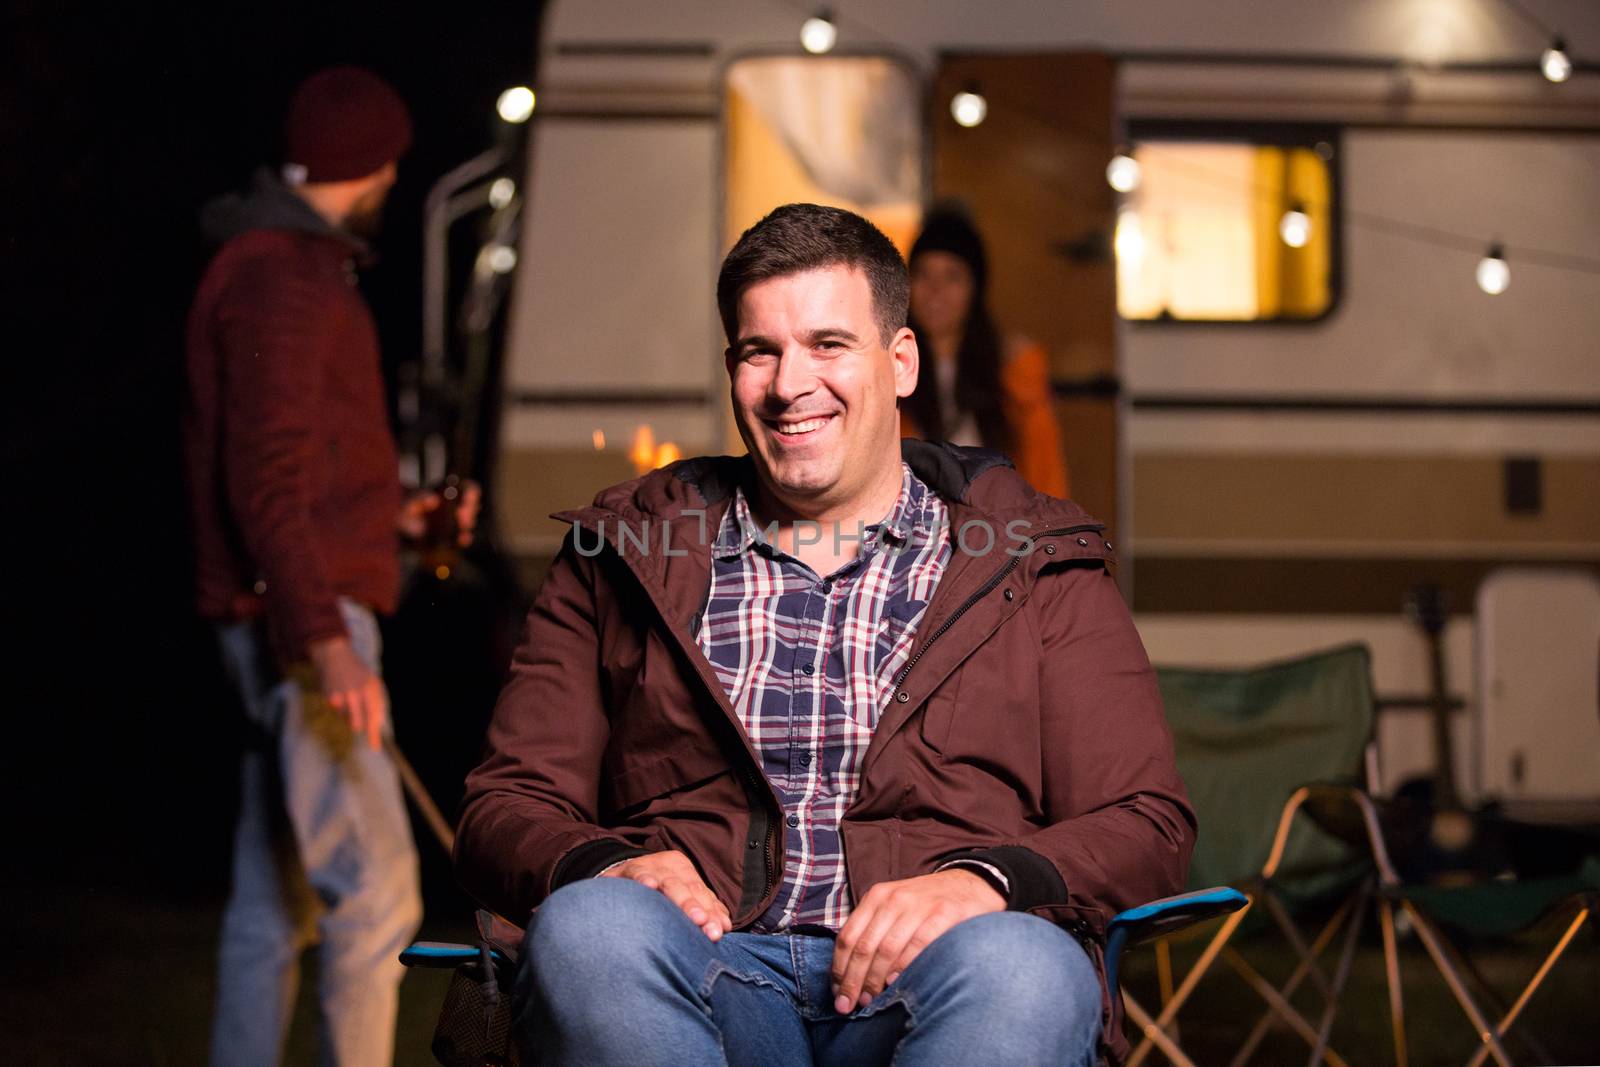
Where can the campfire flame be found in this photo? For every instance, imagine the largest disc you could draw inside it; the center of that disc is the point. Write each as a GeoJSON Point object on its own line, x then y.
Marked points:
{"type": "Point", "coordinates": [645, 454]}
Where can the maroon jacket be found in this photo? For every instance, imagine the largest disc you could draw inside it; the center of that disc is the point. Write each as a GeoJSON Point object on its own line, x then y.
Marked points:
{"type": "Point", "coordinates": [293, 478]}
{"type": "Point", "coordinates": [1026, 728]}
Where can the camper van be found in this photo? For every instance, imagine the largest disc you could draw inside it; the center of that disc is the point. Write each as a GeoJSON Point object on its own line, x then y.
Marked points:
{"type": "Point", "coordinates": [1319, 285]}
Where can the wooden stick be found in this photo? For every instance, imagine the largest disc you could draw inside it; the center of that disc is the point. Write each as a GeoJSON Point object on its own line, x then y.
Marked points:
{"type": "Point", "coordinates": [419, 796]}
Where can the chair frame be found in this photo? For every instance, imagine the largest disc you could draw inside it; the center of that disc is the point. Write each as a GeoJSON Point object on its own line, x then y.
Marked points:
{"type": "Point", "coordinates": [1453, 965]}
{"type": "Point", "coordinates": [1156, 1032]}
{"type": "Point", "coordinates": [1384, 888]}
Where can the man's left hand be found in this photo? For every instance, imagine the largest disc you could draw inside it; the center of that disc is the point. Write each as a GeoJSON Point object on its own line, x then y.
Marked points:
{"type": "Point", "coordinates": [894, 922]}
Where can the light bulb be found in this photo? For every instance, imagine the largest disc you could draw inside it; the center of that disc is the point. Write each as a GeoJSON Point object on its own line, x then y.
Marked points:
{"type": "Point", "coordinates": [1124, 172]}
{"type": "Point", "coordinates": [502, 259]}
{"type": "Point", "coordinates": [515, 104]}
{"type": "Point", "coordinates": [818, 33]}
{"type": "Point", "coordinates": [968, 107]}
{"type": "Point", "coordinates": [1555, 62]}
{"type": "Point", "coordinates": [1494, 274]}
{"type": "Point", "coordinates": [501, 192]}
{"type": "Point", "coordinates": [1295, 227]}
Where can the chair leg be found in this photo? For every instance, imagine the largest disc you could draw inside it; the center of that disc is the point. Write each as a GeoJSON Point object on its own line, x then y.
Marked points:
{"type": "Point", "coordinates": [1533, 985]}
{"type": "Point", "coordinates": [1492, 1001]}
{"type": "Point", "coordinates": [1276, 1001]}
{"type": "Point", "coordinates": [1190, 980]}
{"type": "Point", "coordinates": [1435, 945]}
{"type": "Point", "coordinates": [1164, 981]}
{"type": "Point", "coordinates": [1292, 933]}
{"type": "Point", "coordinates": [1391, 965]}
{"type": "Point", "coordinates": [1341, 974]}
{"type": "Point", "coordinates": [1324, 938]}
{"type": "Point", "coordinates": [1154, 1034]}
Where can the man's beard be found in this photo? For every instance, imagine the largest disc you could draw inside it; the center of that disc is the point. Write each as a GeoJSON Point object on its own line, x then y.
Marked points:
{"type": "Point", "coordinates": [365, 218]}
{"type": "Point", "coordinates": [365, 221]}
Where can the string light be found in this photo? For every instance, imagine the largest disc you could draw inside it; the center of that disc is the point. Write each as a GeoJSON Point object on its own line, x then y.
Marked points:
{"type": "Point", "coordinates": [818, 33]}
{"type": "Point", "coordinates": [968, 107]}
{"type": "Point", "coordinates": [1494, 274]}
{"type": "Point", "coordinates": [1123, 172]}
{"type": "Point", "coordinates": [1295, 226]}
{"type": "Point", "coordinates": [502, 259]}
{"type": "Point", "coordinates": [501, 192]}
{"type": "Point", "coordinates": [1555, 62]}
{"type": "Point", "coordinates": [515, 104]}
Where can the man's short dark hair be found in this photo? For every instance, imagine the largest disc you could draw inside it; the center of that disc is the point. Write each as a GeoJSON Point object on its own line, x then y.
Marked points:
{"type": "Point", "coordinates": [801, 237]}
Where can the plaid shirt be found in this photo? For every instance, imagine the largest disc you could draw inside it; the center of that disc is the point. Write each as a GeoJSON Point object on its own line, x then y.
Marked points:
{"type": "Point", "coordinates": [809, 662]}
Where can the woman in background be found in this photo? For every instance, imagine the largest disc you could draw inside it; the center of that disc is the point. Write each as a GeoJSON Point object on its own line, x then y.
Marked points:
{"type": "Point", "coordinates": [976, 386]}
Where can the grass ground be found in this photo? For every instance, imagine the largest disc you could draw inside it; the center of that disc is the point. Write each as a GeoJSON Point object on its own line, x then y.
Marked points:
{"type": "Point", "coordinates": [1562, 1015]}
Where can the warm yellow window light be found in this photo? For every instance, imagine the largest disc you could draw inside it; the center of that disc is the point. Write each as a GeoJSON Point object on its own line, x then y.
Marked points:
{"type": "Point", "coordinates": [1228, 232]}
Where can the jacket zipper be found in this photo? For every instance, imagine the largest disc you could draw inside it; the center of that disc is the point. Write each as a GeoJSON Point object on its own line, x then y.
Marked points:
{"type": "Point", "coordinates": [768, 873]}
{"type": "Point", "coordinates": [983, 591]}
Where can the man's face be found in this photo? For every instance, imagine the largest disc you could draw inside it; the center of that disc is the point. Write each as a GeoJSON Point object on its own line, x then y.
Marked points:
{"type": "Point", "coordinates": [815, 388]}
{"type": "Point", "coordinates": [365, 217]}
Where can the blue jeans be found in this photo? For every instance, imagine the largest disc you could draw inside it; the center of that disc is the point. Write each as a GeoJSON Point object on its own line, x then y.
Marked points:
{"type": "Point", "coordinates": [615, 974]}
{"type": "Point", "coordinates": [322, 852]}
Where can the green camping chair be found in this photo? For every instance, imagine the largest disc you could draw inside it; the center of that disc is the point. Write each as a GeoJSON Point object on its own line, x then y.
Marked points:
{"type": "Point", "coordinates": [1484, 909]}
{"type": "Point", "coordinates": [1247, 742]}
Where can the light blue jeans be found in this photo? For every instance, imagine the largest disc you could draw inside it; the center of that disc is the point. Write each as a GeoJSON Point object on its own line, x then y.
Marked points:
{"type": "Point", "coordinates": [322, 852]}
{"type": "Point", "coordinates": [615, 974]}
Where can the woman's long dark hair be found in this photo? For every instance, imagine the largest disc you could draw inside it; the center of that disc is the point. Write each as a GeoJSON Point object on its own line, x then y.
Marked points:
{"type": "Point", "coordinates": [978, 384]}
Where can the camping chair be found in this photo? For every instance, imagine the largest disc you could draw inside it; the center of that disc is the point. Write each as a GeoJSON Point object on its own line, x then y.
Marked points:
{"type": "Point", "coordinates": [1484, 909]}
{"type": "Point", "coordinates": [474, 1027]}
{"type": "Point", "coordinates": [1246, 740]}
{"type": "Point", "coordinates": [475, 1023]}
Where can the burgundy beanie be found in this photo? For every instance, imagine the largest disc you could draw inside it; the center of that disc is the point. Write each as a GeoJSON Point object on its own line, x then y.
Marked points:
{"type": "Point", "coordinates": [343, 123]}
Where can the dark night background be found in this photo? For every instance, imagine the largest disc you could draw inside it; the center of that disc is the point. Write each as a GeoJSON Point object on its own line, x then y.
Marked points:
{"type": "Point", "coordinates": [117, 123]}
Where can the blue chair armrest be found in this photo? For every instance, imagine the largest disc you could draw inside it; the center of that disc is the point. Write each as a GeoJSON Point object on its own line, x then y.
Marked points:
{"type": "Point", "coordinates": [1163, 917]}
{"type": "Point", "coordinates": [444, 954]}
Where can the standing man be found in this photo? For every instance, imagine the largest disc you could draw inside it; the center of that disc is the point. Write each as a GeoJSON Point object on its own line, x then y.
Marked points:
{"type": "Point", "coordinates": [297, 510]}
{"type": "Point", "coordinates": [841, 752]}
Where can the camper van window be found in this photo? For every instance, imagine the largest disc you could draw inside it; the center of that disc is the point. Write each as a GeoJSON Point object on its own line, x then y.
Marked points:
{"type": "Point", "coordinates": [839, 130]}
{"type": "Point", "coordinates": [1229, 224]}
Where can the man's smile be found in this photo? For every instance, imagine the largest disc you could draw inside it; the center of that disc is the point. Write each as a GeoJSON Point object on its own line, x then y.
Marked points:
{"type": "Point", "coordinates": [792, 429]}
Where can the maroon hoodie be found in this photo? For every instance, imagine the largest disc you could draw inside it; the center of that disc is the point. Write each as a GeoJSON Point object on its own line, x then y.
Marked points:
{"type": "Point", "coordinates": [293, 478]}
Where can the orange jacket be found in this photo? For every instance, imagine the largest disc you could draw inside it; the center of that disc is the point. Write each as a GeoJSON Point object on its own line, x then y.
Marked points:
{"type": "Point", "coordinates": [1038, 455]}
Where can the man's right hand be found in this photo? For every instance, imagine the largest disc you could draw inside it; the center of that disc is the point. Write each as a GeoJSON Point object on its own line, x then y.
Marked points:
{"type": "Point", "coordinates": [350, 686]}
{"type": "Point", "coordinates": [674, 875]}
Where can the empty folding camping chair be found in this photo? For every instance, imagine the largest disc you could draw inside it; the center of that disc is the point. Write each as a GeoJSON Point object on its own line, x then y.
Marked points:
{"type": "Point", "coordinates": [1247, 741]}
{"type": "Point", "coordinates": [1538, 755]}
{"type": "Point", "coordinates": [1488, 909]}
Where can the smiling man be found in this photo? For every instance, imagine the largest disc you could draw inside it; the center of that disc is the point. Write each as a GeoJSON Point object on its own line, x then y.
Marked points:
{"type": "Point", "coordinates": [842, 751]}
